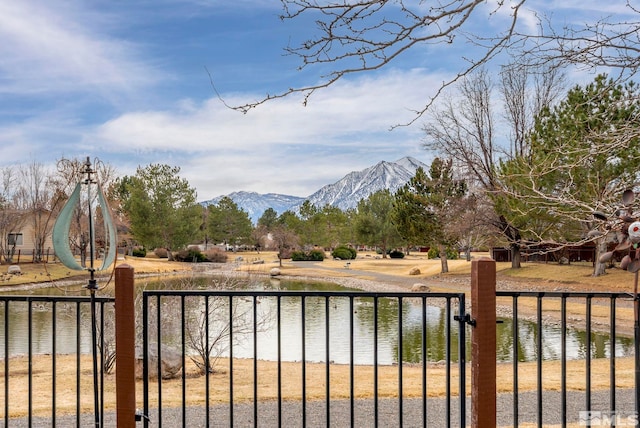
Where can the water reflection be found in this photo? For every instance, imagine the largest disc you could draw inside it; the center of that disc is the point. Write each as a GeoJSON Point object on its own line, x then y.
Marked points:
{"type": "Point", "coordinates": [389, 318]}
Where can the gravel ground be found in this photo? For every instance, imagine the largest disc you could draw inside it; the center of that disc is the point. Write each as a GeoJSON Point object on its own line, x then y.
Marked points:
{"type": "Point", "coordinates": [388, 413]}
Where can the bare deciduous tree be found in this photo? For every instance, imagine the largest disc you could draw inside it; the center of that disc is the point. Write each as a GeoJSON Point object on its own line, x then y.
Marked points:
{"type": "Point", "coordinates": [216, 323]}
{"type": "Point", "coordinates": [284, 241]}
{"type": "Point", "coordinates": [464, 129]}
{"type": "Point", "coordinates": [37, 199]}
{"type": "Point", "coordinates": [12, 216]}
{"type": "Point", "coordinates": [211, 323]}
{"type": "Point", "coordinates": [525, 91]}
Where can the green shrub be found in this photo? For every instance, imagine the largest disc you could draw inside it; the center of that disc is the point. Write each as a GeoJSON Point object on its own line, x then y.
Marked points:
{"type": "Point", "coordinates": [139, 252]}
{"type": "Point", "coordinates": [190, 255]}
{"type": "Point", "coordinates": [344, 253]}
{"type": "Point", "coordinates": [298, 256]}
{"type": "Point", "coordinates": [395, 254]}
{"type": "Point", "coordinates": [307, 256]}
{"type": "Point", "coordinates": [316, 255]}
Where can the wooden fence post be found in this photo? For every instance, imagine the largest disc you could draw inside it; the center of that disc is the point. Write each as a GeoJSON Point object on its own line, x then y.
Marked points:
{"type": "Point", "coordinates": [483, 343]}
{"type": "Point", "coordinates": [125, 347]}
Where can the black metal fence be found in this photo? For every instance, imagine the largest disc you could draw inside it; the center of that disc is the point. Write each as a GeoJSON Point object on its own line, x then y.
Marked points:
{"type": "Point", "coordinates": [584, 332]}
{"type": "Point", "coordinates": [333, 386]}
{"type": "Point", "coordinates": [53, 328]}
{"type": "Point", "coordinates": [315, 358]}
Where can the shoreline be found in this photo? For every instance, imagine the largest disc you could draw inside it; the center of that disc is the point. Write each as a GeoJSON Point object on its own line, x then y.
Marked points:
{"type": "Point", "coordinates": [373, 281]}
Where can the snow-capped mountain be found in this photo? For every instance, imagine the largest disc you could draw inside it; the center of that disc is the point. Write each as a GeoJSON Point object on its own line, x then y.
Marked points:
{"type": "Point", "coordinates": [344, 194]}
{"type": "Point", "coordinates": [357, 185]}
{"type": "Point", "coordinates": [255, 204]}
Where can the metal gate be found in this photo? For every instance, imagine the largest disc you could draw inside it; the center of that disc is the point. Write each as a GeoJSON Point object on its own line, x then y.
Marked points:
{"type": "Point", "coordinates": [309, 358]}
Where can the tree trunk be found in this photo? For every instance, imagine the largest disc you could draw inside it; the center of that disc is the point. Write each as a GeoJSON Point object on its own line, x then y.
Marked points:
{"type": "Point", "coordinates": [443, 259]}
{"type": "Point", "coordinates": [515, 256]}
{"type": "Point", "coordinates": [601, 248]}
{"type": "Point", "coordinates": [513, 234]}
{"type": "Point", "coordinates": [170, 257]}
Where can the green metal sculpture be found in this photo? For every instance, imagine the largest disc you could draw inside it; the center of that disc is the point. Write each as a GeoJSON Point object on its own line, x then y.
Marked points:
{"type": "Point", "coordinates": [62, 247]}
{"type": "Point", "coordinates": [61, 244]}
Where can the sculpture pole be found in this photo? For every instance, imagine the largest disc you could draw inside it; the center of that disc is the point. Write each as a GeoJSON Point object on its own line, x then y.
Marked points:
{"type": "Point", "coordinates": [92, 286]}
{"type": "Point", "coordinates": [62, 248]}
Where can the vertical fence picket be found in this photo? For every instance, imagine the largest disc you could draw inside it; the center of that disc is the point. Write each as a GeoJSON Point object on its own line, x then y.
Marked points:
{"type": "Point", "coordinates": [612, 355]}
{"type": "Point", "coordinates": [304, 358]}
{"type": "Point", "coordinates": [375, 362]}
{"type": "Point", "coordinates": [400, 389]}
{"type": "Point", "coordinates": [516, 358]}
{"type": "Point", "coordinates": [6, 363]}
{"type": "Point", "coordinates": [539, 351]}
{"type": "Point", "coordinates": [327, 373]}
{"type": "Point", "coordinates": [424, 356]}
{"type": "Point", "coordinates": [563, 355]}
{"type": "Point", "coordinates": [53, 362]}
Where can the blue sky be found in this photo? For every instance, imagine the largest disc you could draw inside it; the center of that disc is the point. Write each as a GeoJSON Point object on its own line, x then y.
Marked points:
{"type": "Point", "coordinates": [127, 82]}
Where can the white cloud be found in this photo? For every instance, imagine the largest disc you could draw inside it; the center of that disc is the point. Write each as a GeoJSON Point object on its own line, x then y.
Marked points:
{"type": "Point", "coordinates": [52, 47]}
{"type": "Point", "coordinates": [281, 146]}
{"type": "Point", "coordinates": [362, 107]}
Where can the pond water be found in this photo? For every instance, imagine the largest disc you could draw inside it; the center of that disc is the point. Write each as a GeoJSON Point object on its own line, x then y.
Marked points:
{"type": "Point", "coordinates": [438, 321]}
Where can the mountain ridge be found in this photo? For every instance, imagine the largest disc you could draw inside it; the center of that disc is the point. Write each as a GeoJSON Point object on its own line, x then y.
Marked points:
{"type": "Point", "coordinates": [344, 193]}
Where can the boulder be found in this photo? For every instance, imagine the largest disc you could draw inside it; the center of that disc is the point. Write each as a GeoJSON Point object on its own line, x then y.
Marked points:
{"type": "Point", "coordinates": [420, 287]}
{"type": "Point", "coordinates": [414, 271]}
{"type": "Point", "coordinates": [14, 270]}
{"type": "Point", "coordinates": [169, 367]}
{"type": "Point", "coordinates": [274, 272]}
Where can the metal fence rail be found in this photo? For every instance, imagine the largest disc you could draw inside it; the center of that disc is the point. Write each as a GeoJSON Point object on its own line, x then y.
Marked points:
{"type": "Point", "coordinates": [243, 312]}
{"type": "Point", "coordinates": [559, 315]}
{"type": "Point", "coordinates": [19, 331]}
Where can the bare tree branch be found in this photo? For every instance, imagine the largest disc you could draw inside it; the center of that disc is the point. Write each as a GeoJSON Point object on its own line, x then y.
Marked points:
{"type": "Point", "coordinates": [364, 36]}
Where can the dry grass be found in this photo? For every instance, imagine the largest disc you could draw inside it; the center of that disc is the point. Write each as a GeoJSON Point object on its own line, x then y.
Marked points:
{"type": "Point", "coordinates": [35, 273]}
{"type": "Point", "coordinates": [576, 276]}
{"type": "Point", "coordinates": [291, 373]}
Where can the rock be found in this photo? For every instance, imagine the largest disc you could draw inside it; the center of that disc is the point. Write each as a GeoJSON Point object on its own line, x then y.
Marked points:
{"type": "Point", "coordinates": [274, 272]}
{"type": "Point", "coordinates": [563, 261]}
{"type": "Point", "coordinates": [14, 270]}
{"type": "Point", "coordinates": [169, 367]}
{"type": "Point", "coordinates": [420, 287]}
{"type": "Point", "coordinates": [414, 271]}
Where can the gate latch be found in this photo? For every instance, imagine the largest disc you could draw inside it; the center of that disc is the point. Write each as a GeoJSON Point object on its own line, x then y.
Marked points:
{"type": "Point", "coordinates": [141, 416]}
{"type": "Point", "coordinates": [466, 318]}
